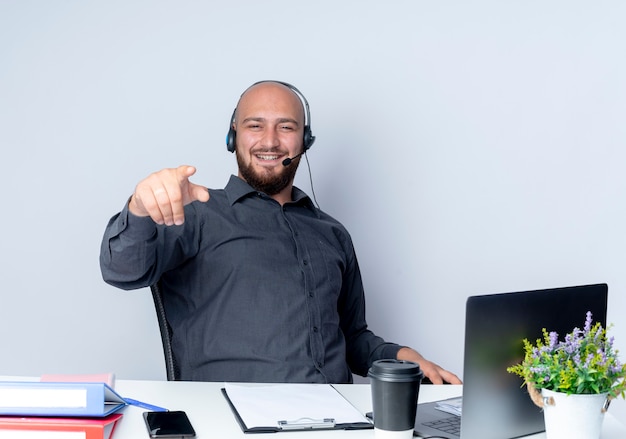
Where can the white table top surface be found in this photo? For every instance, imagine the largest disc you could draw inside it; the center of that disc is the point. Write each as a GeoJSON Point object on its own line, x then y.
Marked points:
{"type": "Point", "coordinates": [212, 417]}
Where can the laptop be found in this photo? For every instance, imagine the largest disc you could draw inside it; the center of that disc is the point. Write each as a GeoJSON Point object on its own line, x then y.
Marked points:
{"type": "Point", "coordinates": [494, 405]}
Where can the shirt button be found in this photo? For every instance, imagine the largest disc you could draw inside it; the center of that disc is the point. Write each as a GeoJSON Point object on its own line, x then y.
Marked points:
{"type": "Point", "coordinates": [305, 262]}
{"type": "Point", "coordinates": [314, 328]}
{"type": "Point", "coordinates": [311, 294]}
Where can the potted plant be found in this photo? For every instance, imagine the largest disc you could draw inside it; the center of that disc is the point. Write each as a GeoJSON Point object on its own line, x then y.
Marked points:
{"type": "Point", "coordinates": [573, 379]}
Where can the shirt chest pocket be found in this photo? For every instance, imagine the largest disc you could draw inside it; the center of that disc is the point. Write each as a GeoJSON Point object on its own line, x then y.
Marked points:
{"type": "Point", "coordinates": [326, 265]}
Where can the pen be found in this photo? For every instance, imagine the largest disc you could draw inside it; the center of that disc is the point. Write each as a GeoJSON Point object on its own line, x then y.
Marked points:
{"type": "Point", "coordinates": [145, 405]}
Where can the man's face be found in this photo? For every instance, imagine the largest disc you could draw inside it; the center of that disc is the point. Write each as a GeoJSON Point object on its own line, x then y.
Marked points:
{"type": "Point", "coordinates": [270, 127]}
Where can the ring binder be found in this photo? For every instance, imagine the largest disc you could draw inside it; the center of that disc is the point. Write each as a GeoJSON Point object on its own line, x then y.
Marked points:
{"type": "Point", "coordinates": [307, 424]}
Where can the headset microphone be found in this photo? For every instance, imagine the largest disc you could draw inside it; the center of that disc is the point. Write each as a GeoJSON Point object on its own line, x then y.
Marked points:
{"type": "Point", "coordinates": [288, 160]}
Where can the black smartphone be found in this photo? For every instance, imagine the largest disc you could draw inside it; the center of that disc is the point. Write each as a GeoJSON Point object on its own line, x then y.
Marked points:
{"type": "Point", "coordinates": [173, 424]}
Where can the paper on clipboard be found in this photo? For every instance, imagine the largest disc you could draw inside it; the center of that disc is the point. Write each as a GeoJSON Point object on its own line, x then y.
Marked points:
{"type": "Point", "coordinates": [276, 407]}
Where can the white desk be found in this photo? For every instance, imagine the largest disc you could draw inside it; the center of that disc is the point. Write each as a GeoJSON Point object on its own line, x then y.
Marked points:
{"type": "Point", "coordinates": [212, 418]}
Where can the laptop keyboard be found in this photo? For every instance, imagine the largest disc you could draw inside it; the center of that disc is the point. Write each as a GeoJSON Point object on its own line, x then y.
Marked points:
{"type": "Point", "coordinates": [451, 425]}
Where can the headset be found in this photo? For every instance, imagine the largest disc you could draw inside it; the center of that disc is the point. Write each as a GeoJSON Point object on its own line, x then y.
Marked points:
{"type": "Point", "coordinates": [308, 137]}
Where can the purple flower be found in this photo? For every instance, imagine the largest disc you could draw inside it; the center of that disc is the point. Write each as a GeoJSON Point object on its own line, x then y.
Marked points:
{"type": "Point", "coordinates": [588, 360]}
{"type": "Point", "coordinates": [554, 340]}
{"type": "Point", "coordinates": [572, 343]}
{"type": "Point", "coordinates": [588, 322]}
{"type": "Point", "coordinates": [577, 359]}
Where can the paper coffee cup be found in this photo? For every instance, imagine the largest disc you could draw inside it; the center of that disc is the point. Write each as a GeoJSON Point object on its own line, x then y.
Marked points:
{"type": "Point", "coordinates": [395, 389]}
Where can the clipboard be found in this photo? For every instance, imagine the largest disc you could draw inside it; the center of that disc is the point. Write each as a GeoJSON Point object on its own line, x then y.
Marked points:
{"type": "Point", "coordinates": [271, 408]}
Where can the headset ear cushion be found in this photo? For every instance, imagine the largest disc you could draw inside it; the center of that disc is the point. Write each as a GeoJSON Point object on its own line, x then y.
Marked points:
{"type": "Point", "coordinates": [308, 138]}
{"type": "Point", "coordinates": [232, 133]}
{"type": "Point", "coordinates": [230, 140]}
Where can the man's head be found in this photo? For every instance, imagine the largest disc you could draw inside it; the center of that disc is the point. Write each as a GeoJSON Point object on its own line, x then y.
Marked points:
{"type": "Point", "coordinates": [269, 125]}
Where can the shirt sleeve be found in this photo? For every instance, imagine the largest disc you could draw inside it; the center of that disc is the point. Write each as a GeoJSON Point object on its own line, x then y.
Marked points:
{"type": "Point", "coordinates": [363, 347]}
{"type": "Point", "coordinates": [127, 251]}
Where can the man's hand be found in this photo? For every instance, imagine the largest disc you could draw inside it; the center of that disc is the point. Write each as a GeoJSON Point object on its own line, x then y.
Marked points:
{"type": "Point", "coordinates": [163, 195]}
{"type": "Point", "coordinates": [435, 373]}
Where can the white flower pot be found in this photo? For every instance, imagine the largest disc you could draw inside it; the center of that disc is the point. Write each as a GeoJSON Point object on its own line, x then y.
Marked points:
{"type": "Point", "coordinates": [573, 416]}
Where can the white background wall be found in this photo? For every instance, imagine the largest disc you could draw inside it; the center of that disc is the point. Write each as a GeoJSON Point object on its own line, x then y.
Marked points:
{"type": "Point", "coordinates": [470, 147]}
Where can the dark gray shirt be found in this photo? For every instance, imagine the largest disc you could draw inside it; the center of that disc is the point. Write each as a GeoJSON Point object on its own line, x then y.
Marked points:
{"type": "Point", "coordinates": [254, 291]}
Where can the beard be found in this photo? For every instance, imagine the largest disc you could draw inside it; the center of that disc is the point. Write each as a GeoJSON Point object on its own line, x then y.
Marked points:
{"type": "Point", "coordinates": [266, 182]}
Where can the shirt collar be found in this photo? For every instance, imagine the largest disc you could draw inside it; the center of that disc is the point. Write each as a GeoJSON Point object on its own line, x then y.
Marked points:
{"type": "Point", "coordinates": [236, 189]}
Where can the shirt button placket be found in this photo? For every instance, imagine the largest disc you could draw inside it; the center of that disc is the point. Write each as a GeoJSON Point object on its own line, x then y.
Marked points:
{"type": "Point", "coordinates": [317, 350]}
